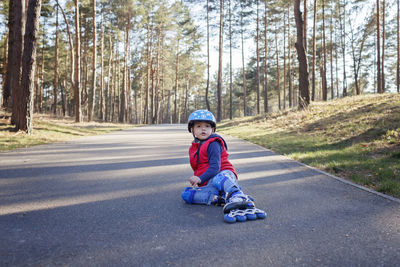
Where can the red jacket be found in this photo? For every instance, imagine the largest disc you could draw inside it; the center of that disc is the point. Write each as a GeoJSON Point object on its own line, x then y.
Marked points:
{"type": "Point", "coordinates": [199, 156]}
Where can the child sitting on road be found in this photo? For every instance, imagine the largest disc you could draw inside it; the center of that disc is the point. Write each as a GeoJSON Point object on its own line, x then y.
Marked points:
{"type": "Point", "coordinates": [215, 179]}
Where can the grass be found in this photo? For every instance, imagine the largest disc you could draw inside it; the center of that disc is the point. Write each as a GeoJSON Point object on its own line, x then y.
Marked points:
{"type": "Point", "coordinates": [357, 138]}
{"type": "Point", "coordinates": [50, 129]}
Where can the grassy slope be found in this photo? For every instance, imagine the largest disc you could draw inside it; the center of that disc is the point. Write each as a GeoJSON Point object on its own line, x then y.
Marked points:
{"type": "Point", "coordinates": [357, 138]}
{"type": "Point", "coordinates": [48, 129]}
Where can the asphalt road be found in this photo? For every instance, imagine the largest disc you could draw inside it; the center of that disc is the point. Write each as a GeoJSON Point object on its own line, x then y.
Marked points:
{"type": "Point", "coordinates": [114, 200]}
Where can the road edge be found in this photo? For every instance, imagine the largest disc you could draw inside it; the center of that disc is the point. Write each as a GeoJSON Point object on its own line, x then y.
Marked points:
{"type": "Point", "coordinates": [329, 174]}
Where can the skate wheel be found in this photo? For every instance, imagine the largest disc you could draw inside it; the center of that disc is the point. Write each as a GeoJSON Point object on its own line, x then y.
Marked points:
{"type": "Point", "coordinates": [251, 217]}
{"type": "Point", "coordinates": [229, 219]}
{"type": "Point", "coordinates": [241, 218]}
{"type": "Point", "coordinates": [261, 215]}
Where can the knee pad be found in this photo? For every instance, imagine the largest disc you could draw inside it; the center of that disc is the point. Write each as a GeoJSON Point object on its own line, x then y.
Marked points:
{"type": "Point", "coordinates": [225, 184]}
{"type": "Point", "coordinates": [188, 194]}
{"type": "Point", "coordinates": [219, 181]}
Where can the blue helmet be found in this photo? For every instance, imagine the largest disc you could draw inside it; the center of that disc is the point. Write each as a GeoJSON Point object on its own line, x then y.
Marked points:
{"type": "Point", "coordinates": [201, 115]}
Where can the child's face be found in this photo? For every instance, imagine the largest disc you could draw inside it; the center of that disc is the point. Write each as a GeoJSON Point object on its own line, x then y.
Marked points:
{"type": "Point", "coordinates": [202, 130]}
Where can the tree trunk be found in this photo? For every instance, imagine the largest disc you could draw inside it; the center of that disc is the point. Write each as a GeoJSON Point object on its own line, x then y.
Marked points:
{"type": "Point", "coordinates": [157, 85]}
{"type": "Point", "coordinates": [290, 89]}
{"type": "Point", "coordinates": [92, 92]}
{"type": "Point", "coordinates": [175, 117]}
{"type": "Point", "coordinates": [258, 60]}
{"type": "Point", "coordinates": [185, 106]}
{"type": "Point", "coordinates": [277, 72]}
{"type": "Point", "coordinates": [383, 46]}
{"type": "Point", "coordinates": [55, 82]}
{"type": "Point", "coordinates": [284, 57]}
{"type": "Point", "coordinates": [208, 58]}
{"type": "Point", "coordinates": [41, 87]}
{"type": "Point", "coordinates": [220, 54]}
{"type": "Point", "coordinates": [113, 81]}
{"type": "Point", "coordinates": [77, 86]}
{"type": "Point", "coordinates": [123, 106]}
{"type": "Point", "coordinates": [343, 39]}
{"type": "Point", "coordinates": [314, 52]}
{"type": "Point", "coordinates": [63, 98]}
{"type": "Point", "coordinates": [243, 70]}
{"type": "Point", "coordinates": [151, 77]}
{"type": "Point", "coordinates": [107, 100]}
{"type": "Point", "coordinates": [304, 98]}
{"type": "Point", "coordinates": [305, 24]}
{"type": "Point", "coordinates": [101, 102]}
{"type": "Point", "coordinates": [291, 62]}
{"type": "Point", "coordinates": [15, 45]}
{"type": "Point", "coordinates": [378, 48]}
{"type": "Point", "coordinates": [85, 74]}
{"type": "Point", "coordinates": [398, 48]}
{"type": "Point", "coordinates": [331, 54]}
{"type": "Point", "coordinates": [5, 65]}
{"type": "Point", "coordinates": [265, 60]}
{"type": "Point", "coordinates": [230, 64]}
{"type": "Point", "coordinates": [324, 81]}
{"type": "Point", "coordinates": [25, 119]}
{"type": "Point", "coordinates": [37, 87]}
{"type": "Point", "coordinates": [168, 116]}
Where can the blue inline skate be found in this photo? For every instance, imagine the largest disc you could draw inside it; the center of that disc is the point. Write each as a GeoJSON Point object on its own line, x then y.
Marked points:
{"type": "Point", "coordinates": [241, 209]}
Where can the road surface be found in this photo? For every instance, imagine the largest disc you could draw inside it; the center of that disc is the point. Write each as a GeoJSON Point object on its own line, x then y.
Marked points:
{"type": "Point", "coordinates": [114, 200]}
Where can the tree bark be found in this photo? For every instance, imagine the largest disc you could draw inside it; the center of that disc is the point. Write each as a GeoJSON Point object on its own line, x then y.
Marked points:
{"type": "Point", "coordinates": [277, 72]}
{"type": "Point", "coordinates": [5, 64]}
{"type": "Point", "coordinates": [304, 98]}
{"type": "Point", "coordinates": [55, 81]}
{"type": "Point", "coordinates": [77, 86]}
{"type": "Point", "coordinates": [305, 24]}
{"type": "Point", "coordinates": [157, 82]}
{"type": "Point", "coordinates": [314, 53]}
{"type": "Point", "coordinates": [243, 70]}
{"type": "Point", "coordinates": [123, 106]}
{"type": "Point", "coordinates": [107, 99]}
{"type": "Point", "coordinates": [383, 46]}
{"type": "Point", "coordinates": [398, 48]}
{"type": "Point", "coordinates": [324, 81]}
{"type": "Point", "coordinates": [230, 64]}
{"type": "Point", "coordinates": [220, 51]}
{"type": "Point", "coordinates": [25, 120]}
{"type": "Point", "coordinates": [378, 48]}
{"type": "Point", "coordinates": [15, 45]}
{"type": "Point", "coordinates": [175, 117]}
{"type": "Point", "coordinates": [290, 89]}
{"type": "Point", "coordinates": [101, 102]}
{"type": "Point", "coordinates": [331, 54]}
{"type": "Point", "coordinates": [343, 38]}
{"type": "Point", "coordinates": [284, 57]}
{"type": "Point", "coordinates": [208, 58]}
{"type": "Point", "coordinates": [41, 87]}
{"type": "Point", "coordinates": [265, 60]}
{"type": "Point", "coordinates": [92, 92]}
{"type": "Point", "coordinates": [258, 60]}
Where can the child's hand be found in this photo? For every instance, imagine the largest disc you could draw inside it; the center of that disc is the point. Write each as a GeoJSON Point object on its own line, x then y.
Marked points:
{"type": "Point", "coordinates": [194, 180]}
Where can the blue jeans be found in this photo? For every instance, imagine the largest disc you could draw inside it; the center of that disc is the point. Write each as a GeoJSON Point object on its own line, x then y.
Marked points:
{"type": "Point", "coordinates": [209, 193]}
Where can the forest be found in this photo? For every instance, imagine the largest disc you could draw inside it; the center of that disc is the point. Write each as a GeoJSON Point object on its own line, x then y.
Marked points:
{"type": "Point", "coordinates": [151, 62]}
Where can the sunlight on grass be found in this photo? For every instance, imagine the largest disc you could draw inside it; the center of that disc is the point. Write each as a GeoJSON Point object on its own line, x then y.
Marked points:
{"type": "Point", "coordinates": [357, 138]}
{"type": "Point", "coordinates": [48, 129]}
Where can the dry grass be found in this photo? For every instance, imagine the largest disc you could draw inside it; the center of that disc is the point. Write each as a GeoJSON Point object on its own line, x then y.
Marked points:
{"type": "Point", "coordinates": [357, 138]}
{"type": "Point", "coordinates": [50, 129]}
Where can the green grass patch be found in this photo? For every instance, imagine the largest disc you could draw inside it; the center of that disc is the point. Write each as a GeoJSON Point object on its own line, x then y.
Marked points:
{"type": "Point", "coordinates": [49, 129]}
{"type": "Point", "coordinates": [357, 138]}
